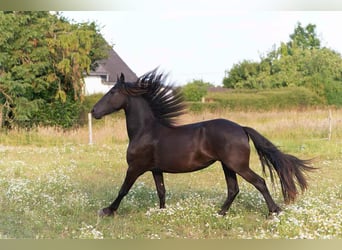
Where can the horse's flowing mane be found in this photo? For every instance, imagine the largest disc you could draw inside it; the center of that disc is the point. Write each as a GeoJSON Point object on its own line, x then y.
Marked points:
{"type": "Point", "coordinates": [166, 102]}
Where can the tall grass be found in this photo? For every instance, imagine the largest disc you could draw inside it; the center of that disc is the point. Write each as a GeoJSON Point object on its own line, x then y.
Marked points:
{"type": "Point", "coordinates": [305, 124]}
{"type": "Point", "coordinates": [52, 183]}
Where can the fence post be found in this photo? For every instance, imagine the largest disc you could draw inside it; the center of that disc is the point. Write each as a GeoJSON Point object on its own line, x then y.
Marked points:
{"type": "Point", "coordinates": [90, 129]}
{"type": "Point", "coordinates": [330, 125]}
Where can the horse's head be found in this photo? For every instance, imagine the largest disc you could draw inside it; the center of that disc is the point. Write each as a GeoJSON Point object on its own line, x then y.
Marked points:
{"type": "Point", "coordinates": [113, 101]}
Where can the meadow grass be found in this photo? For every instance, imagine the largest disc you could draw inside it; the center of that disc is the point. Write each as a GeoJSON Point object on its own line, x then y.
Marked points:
{"type": "Point", "coordinates": [52, 184]}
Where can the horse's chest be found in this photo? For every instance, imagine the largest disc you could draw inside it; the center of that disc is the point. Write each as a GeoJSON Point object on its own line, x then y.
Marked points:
{"type": "Point", "coordinates": [140, 153]}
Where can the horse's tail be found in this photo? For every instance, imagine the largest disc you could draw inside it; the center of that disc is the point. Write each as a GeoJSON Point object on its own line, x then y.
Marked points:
{"type": "Point", "coordinates": [289, 168]}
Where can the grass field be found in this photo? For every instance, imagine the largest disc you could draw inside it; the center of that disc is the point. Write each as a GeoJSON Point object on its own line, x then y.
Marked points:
{"type": "Point", "coordinates": [52, 184]}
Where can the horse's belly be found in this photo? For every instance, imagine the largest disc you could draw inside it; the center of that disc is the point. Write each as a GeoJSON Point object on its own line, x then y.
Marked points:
{"type": "Point", "coordinates": [181, 162]}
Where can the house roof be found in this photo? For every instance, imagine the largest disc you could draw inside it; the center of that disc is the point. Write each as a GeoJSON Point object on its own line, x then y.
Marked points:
{"type": "Point", "coordinates": [112, 67]}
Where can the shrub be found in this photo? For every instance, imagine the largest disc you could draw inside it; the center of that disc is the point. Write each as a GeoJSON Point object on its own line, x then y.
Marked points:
{"type": "Point", "coordinates": [285, 98]}
{"type": "Point", "coordinates": [333, 93]}
{"type": "Point", "coordinates": [195, 90]}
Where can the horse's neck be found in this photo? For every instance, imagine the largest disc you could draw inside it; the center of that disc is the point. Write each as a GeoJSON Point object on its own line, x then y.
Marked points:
{"type": "Point", "coordinates": [139, 116]}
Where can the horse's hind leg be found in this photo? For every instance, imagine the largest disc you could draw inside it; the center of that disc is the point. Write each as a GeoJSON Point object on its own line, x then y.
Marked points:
{"type": "Point", "coordinates": [232, 186]}
{"type": "Point", "coordinates": [159, 181]}
{"type": "Point", "coordinates": [260, 184]}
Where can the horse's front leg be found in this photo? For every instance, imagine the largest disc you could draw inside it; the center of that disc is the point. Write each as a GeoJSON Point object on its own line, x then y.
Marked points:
{"type": "Point", "coordinates": [159, 181]}
{"type": "Point", "coordinates": [131, 176]}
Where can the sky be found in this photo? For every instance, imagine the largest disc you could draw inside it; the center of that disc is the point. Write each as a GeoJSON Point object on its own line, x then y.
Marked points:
{"type": "Point", "coordinates": [202, 44]}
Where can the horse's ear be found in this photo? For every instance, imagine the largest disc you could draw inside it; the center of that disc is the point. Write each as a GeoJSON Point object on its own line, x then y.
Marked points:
{"type": "Point", "coordinates": [122, 78]}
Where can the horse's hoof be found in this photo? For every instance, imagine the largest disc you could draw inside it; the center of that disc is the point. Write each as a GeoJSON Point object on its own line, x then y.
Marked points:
{"type": "Point", "coordinates": [105, 212]}
{"type": "Point", "coordinates": [277, 210]}
{"type": "Point", "coordinates": [222, 213]}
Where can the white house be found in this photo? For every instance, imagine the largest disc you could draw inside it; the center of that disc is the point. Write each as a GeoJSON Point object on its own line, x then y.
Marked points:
{"type": "Point", "coordinates": [105, 75]}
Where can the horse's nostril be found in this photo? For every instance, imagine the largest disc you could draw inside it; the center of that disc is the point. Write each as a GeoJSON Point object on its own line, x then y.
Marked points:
{"type": "Point", "coordinates": [95, 114]}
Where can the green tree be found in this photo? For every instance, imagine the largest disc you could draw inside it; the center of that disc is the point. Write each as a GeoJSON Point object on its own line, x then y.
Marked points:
{"type": "Point", "coordinates": [241, 75]}
{"type": "Point", "coordinates": [299, 62]}
{"type": "Point", "coordinates": [195, 90]}
{"type": "Point", "coordinates": [42, 61]}
{"type": "Point", "coordinates": [304, 37]}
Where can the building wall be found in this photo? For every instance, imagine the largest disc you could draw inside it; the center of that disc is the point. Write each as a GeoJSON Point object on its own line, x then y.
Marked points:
{"type": "Point", "coordinates": [94, 85]}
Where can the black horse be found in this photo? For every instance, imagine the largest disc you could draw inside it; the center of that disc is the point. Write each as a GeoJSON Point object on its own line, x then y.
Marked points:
{"type": "Point", "coordinates": [156, 144]}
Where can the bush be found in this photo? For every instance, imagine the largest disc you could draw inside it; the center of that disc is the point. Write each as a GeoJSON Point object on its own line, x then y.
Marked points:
{"type": "Point", "coordinates": [284, 98]}
{"type": "Point", "coordinates": [60, 114]}
{"type": "Point", "coordinates": [195, 90]}
{"type": "Point", "coordinates": [333, 93]}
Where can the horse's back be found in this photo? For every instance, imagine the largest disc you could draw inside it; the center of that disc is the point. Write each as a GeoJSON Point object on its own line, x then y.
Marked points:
{"type": "Point", "coordinates": [216, 130]}
{"type": "Point", "coordinates": [224, 129]}
{"type": "Point", "coordinates": [225, 132]}
{"type": "Point", "coordinates": [194, 146]}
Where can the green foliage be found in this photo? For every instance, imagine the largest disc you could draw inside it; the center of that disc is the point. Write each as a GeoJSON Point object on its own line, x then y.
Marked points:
{"type": "Point", "coordinates": [304, 38]}
{"type": "Point", "coordinates": [333, 93]}
{"type": "Point", "coordinates": [299, 62]}
{"type": "Point", "coordinates": [195, 90]}
{"type": "Point", "coordinates": [285, 98]}
{"type": "Point", "coordinates": [60, 113]}
{"type": "Point", "coordinates": [42, 61]}
{"type": "Point", "coordinates": [241, 75]}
